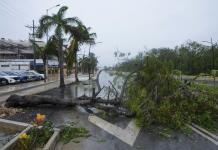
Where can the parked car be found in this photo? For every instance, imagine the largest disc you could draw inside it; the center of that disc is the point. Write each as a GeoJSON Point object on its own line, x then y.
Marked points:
{"type": "Point", "coordinates": [23, 78]}
{"type": "Point", "coordinates": [40, 76]}
{"type": "Point", "coordinates": [32, 75]}
{"type": "Point", "coordinates": [8, 79]}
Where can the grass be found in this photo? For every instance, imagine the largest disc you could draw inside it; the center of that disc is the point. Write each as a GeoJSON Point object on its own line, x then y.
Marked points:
{"type": "Point", "coordinates": [206, 87]}
{"type": "Point", "coordinates": [70, 132]}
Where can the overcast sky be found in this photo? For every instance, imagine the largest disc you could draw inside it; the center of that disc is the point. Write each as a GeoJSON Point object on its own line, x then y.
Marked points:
{"type": "Point", "coordinates": [126, 25]}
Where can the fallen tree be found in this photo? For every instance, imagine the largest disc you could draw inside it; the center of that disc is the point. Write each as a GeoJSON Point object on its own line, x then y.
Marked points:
{"type": "Point", "coordinates": [108, 104]}
{"type": "Point", "coordinates": [37, 100]}
{"type": "Point", "coordinates": [157, 97]}
{"type": "Point", "coordinates": [112, 105]}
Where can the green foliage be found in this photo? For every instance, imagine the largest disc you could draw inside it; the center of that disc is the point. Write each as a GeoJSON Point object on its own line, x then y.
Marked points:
{"type": "Point", "coordinates": [89, 62]}
{"type": "Point", "coordinates": [70, 132]}
{"type": "Point", "coordinates": [79, 35]}
{"type": "Point", "coordinates": [206, 88]}
{"type": "Point", "coordinates": [41, 135]}
{"type": "Point", "coordinates": [190, 58]}
{"type": "Point", "coordinates": [158, 98]}
{"type": "Point", "coordinates": [214, 73]}
{"type": "Point", "coordinates": [37, 136]}
{"type": "Point", "coordinates": [129, 64]}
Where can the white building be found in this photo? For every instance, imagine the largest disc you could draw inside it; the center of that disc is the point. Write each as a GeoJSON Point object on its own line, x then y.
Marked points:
{"type": "Point", "coordinates": [19, 55]}
{"type": "Point", "coordinates": [23, 64]}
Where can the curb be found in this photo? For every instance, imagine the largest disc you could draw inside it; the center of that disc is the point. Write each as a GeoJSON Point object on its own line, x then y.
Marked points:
{"type": "Point", "coordinates": [19, 90]}
{"type": "Point", "coordinates": [204, 133]}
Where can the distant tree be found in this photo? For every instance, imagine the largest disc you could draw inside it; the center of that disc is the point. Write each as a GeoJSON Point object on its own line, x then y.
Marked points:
{"type": "Point", "coordinates": [79, 36]}
{"type": "Point", "coordinates": [43, 52]}
{"type": "Point", "coordinates": [189, 58]}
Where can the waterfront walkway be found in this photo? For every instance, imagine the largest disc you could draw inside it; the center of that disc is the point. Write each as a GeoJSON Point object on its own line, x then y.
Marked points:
{"type": "Point", "coordinates": [39, 87]}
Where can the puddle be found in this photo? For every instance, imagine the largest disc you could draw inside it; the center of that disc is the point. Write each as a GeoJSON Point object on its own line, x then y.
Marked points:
{"type": "Point", "coordinates": [5, 136]}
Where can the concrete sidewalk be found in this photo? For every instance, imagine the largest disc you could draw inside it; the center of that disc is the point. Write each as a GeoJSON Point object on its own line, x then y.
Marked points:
{"type": "Point", "coordinates": [41, 88]}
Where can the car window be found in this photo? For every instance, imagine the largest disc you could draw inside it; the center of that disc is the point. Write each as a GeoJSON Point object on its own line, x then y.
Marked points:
{"type": "Point", "coordinates": [30, 73]}
{"type": "Point", "coordinates": [3, 74]}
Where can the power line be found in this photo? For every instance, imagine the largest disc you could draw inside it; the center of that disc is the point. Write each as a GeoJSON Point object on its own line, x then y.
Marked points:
{"type": "Point", "coordinates": [8, 11]}
{"type": "Point", "coordinates": [33, 28]}
{"type": "Point", "coordinates": [14, 10]}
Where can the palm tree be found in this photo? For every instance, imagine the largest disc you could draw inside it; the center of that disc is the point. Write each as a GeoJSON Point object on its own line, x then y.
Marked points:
{"type": "Point", "coordinates": [60, 25]}
{"type": "Point", "coordinates": [88, 64]}
{"type": "Point", "coordinates": [80, 35]}
{"type": "Point", "coordinates": [44, 51]}
{"type": "Point", "coordinates": [69, 59]}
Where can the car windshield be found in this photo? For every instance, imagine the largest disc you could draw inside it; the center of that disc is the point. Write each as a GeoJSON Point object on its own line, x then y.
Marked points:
{"type": "Point", "coordinates": [23, 73]}
{"type": "Point", "coordinates": [3, 74]}
{"type": "Point", "coordinates": [29, 73]}
{"type": "Point", "coordinates": [34, 72]}
{"type": "Point", "coordinates": [11, 73]}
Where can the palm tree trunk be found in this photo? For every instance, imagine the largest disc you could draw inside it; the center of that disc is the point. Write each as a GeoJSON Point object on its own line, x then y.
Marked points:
{"type": "Point", "coordinates": [44, 68]}
{"type": "Point", "coordinates": [61, 62]}
{"type": "Point", "coordinates": [76, 68]}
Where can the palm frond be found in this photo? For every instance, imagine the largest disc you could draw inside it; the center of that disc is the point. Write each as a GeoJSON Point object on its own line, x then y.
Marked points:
{"type": "Point", "coordinates": [72, 21]}
{"type": "Point", "coordinates": [62, 11]}
{"type": "Point", "coordinates": [45, 23]}
{"type": "Point", "coordinates": [39, 49]}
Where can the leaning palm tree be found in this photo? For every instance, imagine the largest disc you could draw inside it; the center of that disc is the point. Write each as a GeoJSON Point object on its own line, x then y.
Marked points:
{"type": "Point", "coordinates": [69, 59]}
{"type": "Point", "coordinates": [44, 51]}
{"type": "Point", "coordinates": [80, 35]}
{"type": "Point", "coordinates": [60, 25]}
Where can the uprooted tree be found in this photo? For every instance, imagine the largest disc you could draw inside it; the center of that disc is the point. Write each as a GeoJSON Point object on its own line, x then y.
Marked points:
{"type": "Point", "coordinates": [110, 103]}
{"type": "Point", "coordinates": [157, 97]}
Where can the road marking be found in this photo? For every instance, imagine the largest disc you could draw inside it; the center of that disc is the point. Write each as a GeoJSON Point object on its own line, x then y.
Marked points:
{"type": "Point", "coordinates": [203, 134]}
{"type": "Point", "coordinates": [205, 131]}
{"type": "Point", "coordinates": [127, 135]}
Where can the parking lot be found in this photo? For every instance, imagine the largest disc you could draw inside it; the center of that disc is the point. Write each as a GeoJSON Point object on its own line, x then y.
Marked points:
{"type": "Point", "coordinates": [19, 76]}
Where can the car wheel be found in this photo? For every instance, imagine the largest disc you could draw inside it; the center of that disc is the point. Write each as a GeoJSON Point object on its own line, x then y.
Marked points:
{"type": "Point", "coordinates": [4, 82]}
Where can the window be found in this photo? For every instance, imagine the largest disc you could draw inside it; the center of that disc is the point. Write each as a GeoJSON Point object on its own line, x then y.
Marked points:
{"type": "Point", "coordinates": [4, 65]}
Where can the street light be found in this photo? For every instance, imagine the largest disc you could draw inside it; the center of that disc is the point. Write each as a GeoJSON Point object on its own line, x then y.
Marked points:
{"type": "Point", "coordinates": [46, 73]}
{"type": "Point", "coordinates": [47, 15]}
{"type": "Point", "coordinates": [212, 48]}
{"type": "Point", "coordinates": [89, 57]}
{"type": "Point", "coordinates": [52, 8]}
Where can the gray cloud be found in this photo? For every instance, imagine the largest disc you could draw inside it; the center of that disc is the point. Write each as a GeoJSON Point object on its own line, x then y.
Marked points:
{"type": "Point", "coordinates": [127, 25]}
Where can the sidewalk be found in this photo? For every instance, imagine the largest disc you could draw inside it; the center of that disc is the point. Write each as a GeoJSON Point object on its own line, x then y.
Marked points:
{"type": "Point", "coordinates": [42, 87]}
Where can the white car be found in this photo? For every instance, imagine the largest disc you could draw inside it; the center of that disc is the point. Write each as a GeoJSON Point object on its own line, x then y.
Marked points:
{"type": "Point", "coordinates": [7, 79]}
{"type": "Point", "coordinates": [42, 76]}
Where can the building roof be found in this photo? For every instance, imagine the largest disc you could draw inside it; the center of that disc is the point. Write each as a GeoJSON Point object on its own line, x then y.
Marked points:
{"type": "Point", "coordinates": [8, 43]}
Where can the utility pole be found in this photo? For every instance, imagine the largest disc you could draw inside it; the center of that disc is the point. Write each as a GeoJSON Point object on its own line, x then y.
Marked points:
{"type": "Point", "coordinates": [47, 38]}
{"type": "Point", "coordinates": [89, 68]}
{"type": "Point", "coordinates": [212, 48]}
{"type": "Point", "coordinates": [32, 37]}
{"type": "Point", "coordinates": [213, 53]}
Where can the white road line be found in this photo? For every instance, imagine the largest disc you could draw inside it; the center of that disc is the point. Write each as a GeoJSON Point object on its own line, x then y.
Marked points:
{"type": "Point", "coordinates": [127, 135]}
{"type": "Point", "coordinates": [205, 131]}
{"type": "Point", "coordinates": [203, 135]}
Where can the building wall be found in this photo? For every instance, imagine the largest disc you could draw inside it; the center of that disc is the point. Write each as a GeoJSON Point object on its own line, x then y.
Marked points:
{"type": "Point", "coordinates": [7, 66]}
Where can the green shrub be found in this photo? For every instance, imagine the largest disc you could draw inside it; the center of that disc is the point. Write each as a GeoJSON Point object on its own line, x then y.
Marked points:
{"type": "Point", "coordinates": [157, 97]}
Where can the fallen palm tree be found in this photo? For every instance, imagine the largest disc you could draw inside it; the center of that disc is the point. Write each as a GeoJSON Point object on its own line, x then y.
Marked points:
{"type": "Point", "coordinates": [37, 100]}
{"type": "Point", "coordinates": [109, 104]}
{"type": "Point", "coordinates": [157, 97]}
